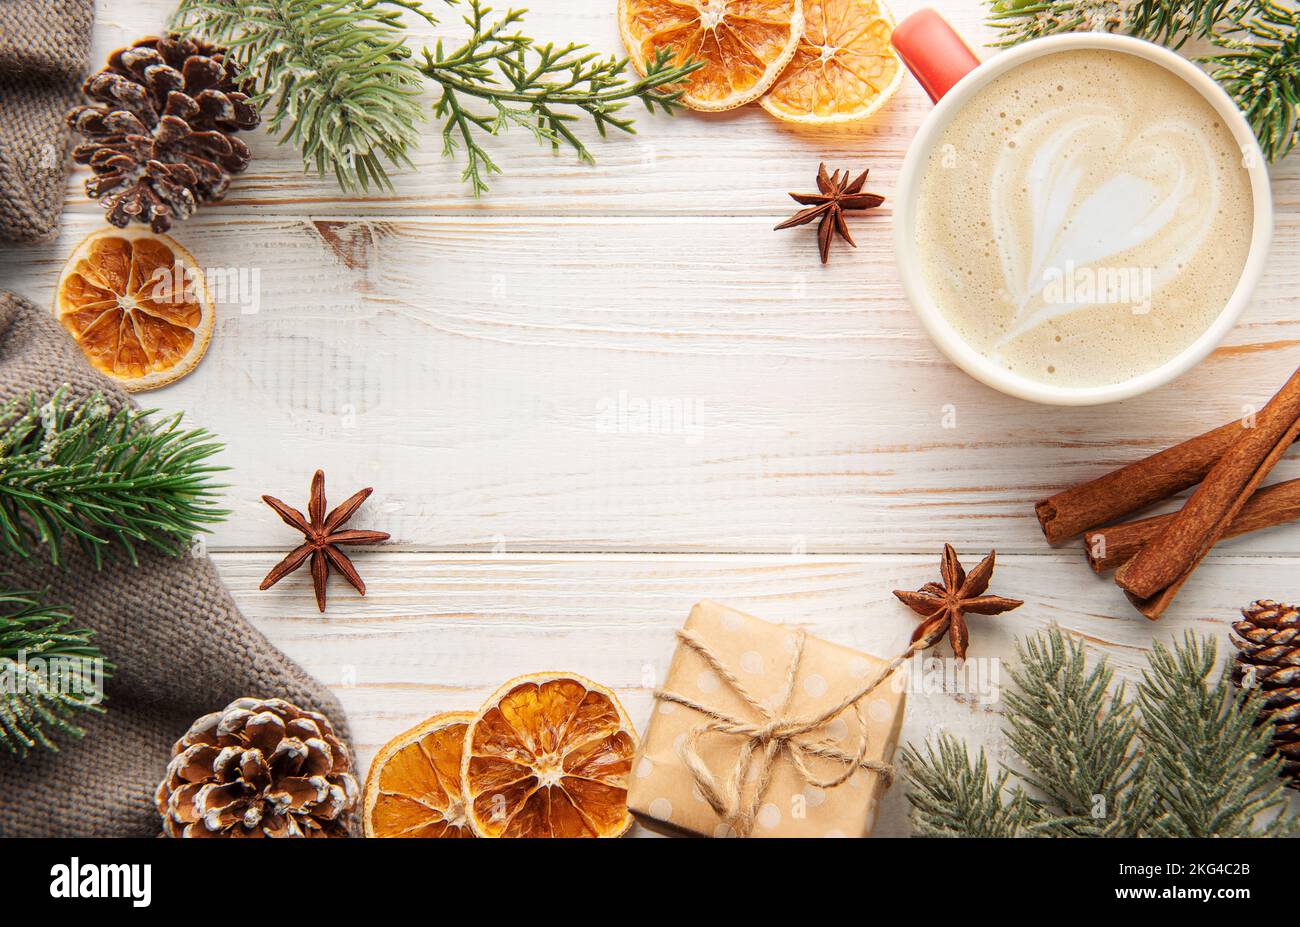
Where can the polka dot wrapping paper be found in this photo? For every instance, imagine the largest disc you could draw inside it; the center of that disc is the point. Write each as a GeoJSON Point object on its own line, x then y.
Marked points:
{"type": "Point", "coordinates": [662, 791]}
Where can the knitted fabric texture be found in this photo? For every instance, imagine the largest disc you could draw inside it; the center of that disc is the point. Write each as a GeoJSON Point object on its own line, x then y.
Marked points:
{"type": "Point", "coordinates": [44, 46]}
{"type": "Point", "coordinates": [180, 646]}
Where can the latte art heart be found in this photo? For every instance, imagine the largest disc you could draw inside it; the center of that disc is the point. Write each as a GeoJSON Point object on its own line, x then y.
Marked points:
{"type": "Point", "coordinates": [1095, 203]}
{"type": "Point", "coordinates": [1114, 224]}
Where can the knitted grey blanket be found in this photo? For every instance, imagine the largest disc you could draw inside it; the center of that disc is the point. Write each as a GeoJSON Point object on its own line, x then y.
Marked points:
{"type": "Point", "coordinates": [43, 50]}
{"type": "Point", "coordinates": [180, 646]}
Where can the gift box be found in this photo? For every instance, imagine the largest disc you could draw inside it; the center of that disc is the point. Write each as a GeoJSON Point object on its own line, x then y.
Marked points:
{"type": "Point", "coordinates": [745, 738]}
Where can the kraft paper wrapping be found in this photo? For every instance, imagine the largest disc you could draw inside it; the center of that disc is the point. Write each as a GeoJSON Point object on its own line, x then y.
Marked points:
{"type": "Point", "coordinates": [662, 793]}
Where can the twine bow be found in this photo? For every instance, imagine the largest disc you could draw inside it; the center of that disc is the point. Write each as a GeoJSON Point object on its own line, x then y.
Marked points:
{"type": "Point", "coordinates": [773, 735]}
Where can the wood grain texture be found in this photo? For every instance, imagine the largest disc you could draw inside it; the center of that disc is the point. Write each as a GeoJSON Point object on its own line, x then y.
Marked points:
{"type": "Point", "coordinates": [675, 384]}
{"type": "Point", "coordinates": [440, 633]}
{"type": "Point", "coordinates": [720, 164]}
{"type": "Point", "coordinates": [597, 395]}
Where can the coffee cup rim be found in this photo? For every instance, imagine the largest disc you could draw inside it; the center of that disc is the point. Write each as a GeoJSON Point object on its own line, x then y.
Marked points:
{"type": "Point", "coordinates": [957, 349]}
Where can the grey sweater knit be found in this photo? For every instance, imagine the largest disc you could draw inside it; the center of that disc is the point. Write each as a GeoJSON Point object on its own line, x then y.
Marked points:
{"type": "Point", "coordinates": [180, 646]}
{"type": "Point", "coordinates": [43, 50]}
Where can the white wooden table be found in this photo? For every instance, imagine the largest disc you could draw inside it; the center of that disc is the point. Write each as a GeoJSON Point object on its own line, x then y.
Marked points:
{"type": "Point", "coordinates": [598, 395]}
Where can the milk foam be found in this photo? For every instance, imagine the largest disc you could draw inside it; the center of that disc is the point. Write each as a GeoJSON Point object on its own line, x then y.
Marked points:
{"type": "Point", "coordinates": [1084, 218]}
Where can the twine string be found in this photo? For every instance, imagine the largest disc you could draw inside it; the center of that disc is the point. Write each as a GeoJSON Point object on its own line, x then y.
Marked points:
{"type": "Point", "coordinates": [772, 736]}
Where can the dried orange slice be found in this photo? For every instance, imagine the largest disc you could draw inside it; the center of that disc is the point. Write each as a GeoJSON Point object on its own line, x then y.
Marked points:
{"type": "Point", "coordinates": [744, 44]}
{"type": "Point", "coordinates": [548, 755]}
{"type": "Point", "coordinates": [844, 67]}
{"type": "Point", "coordinates": [137, 305]}
{"type": "Point", "coordinates": [413, 789]}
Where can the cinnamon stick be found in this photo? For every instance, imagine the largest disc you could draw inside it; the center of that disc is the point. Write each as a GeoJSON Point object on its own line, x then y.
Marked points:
{"type": "Point", "coordinates": [1134, 487]}
{"type": "Point", "coordinates": [1156, 573]}
{"type": "Point", "coordinates": [1109, 548]}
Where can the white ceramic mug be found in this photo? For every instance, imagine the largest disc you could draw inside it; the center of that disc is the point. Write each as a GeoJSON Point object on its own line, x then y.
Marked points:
{"type": "Point", "coordinates": [951, 74]}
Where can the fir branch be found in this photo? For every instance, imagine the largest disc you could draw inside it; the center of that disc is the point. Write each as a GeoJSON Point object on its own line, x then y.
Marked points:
{"type": "Point", "coordinates": [1169, 22]}
{"type": "Point", "coordinates": [953, 797]}
{"type": "Point", "coordinates": [1173, 22]}
{"type": "Point", "coordinates": [1185, 759]}
{"type": "Point", "coordinates": [48, 673]}
{"type": "Point", "coordinates": [335, 75]}
{"type": "Point", "coordinates": [1021, 20]}
{"type": "Point", "coordinates": [76, 469]}
{"type": "Point", "coordinates": [1076, 741]}
{"type": "Point", "coordinates": [1259, 65]}
{"type": "Point", "coordinates": [1208, 760]}
{"type": "Point", "coordinates": [1258, 46]}
{"type": "Point", "coordinates": [537, 87]}
{"type": "Point", "coordinates": [341, 82]}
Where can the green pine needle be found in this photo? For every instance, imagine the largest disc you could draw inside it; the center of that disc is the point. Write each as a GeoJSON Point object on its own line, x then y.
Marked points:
{"type": "Point", "coordinates": [1257, 42]}
{"type": "Point", "coordinates": [953, 797]}
{"type": "Point", "coordinates": [335, 77]}
{"type": "Point", "coordinates": [1205, 749]}
{"type": "Point", "coordinates": [1075, 741]}
{"type": "Point", "coordinates": [1173, 22]}
{"type": "Point", "coordinates": [341, 84]}
{"type": "Point", "coordinates": [538, 87]}
{"type": "Point", "coordinates": [1259, 65]}
{"type": "Point", "coordinates": [1021, 20]}
{"type": "Point", "coordinates": [48, 673]}
{"type": "Point", "coordinates": [78, 470]}
{"type": "Point", "coordinates": [1184, 759]}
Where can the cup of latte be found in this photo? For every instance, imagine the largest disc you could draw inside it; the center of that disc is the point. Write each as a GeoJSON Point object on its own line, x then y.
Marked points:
{"type": "Point", "coordinates": [1082, 218]}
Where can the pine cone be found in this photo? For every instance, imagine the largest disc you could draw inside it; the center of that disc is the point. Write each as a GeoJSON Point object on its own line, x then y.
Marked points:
{"type": "Point", "coordinates": [260, 768]}
{"type": "Point", "coordinates": [162, 143]}
{"type": "Point", "coordinates": [1268, 641]}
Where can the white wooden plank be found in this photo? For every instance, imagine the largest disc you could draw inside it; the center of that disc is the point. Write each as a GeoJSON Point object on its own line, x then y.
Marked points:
{"type": "Point", "coordinates": [440, 634]}
{"type": "Point", "coordinates": [737, 163]}
{"type": "Point", "coordinates": [473, 369]}
{"type": "Point", "coordinates": [654, 385]}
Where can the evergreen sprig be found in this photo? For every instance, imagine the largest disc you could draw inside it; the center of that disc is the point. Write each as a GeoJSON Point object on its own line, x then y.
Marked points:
{"type": "Point", "coordinates": [1075, 736]}
{"type": "Point", "coordinates": [1259, 65]}
{"type": "Point", "coordinates": [335, 76]}
{"type": "Point", "coordinates": [1203, 746]}
{"type": "Point", "coordinates": [77, 469]}
{"type": "Point", "coordinates": [953, 797]}
{"type": "Point", "coordinates": [49, 672]}
{"type": "Point", "coordinates": [1257, 46]}
{"type": "Point", "coordinates": [340, 82]}
{"type": "Point", "coordinates": [1021, 20]}
{"type": "Point", "coordinates": [1173, 22]}
{"type": "Point", "coordinates": [537, 87]}
{"type": "Point", "coordinates": [1182, 760]}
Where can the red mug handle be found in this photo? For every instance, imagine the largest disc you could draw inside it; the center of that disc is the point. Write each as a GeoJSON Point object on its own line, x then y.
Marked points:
{"type": "Point", "coordinates": [933, 52]}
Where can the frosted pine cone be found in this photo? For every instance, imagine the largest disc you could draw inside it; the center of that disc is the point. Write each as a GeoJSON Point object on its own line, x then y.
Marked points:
{"type": "Point", "coordinates": [1268, 641]}
{"type": "Point", "coordinates": [161, 139]}
{"type": "Point", "coordinates": [259, 768]}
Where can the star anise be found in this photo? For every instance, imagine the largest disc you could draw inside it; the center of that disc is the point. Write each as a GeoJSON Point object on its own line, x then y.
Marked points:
{"type": "Point", "coordinates": [323, 539]}
{"type": "Point", "coordinates": [837, 194]}
{"type": "Point", "coordinates": [944, 606]}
